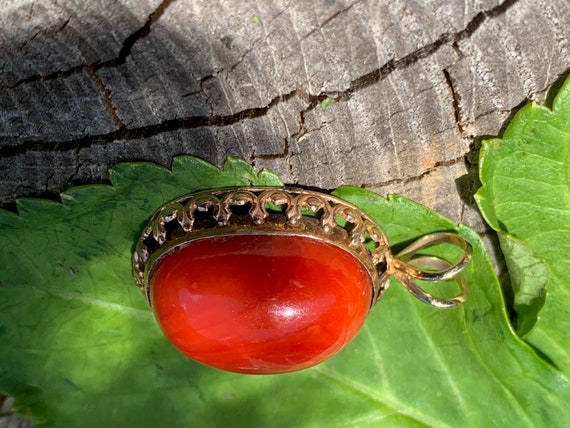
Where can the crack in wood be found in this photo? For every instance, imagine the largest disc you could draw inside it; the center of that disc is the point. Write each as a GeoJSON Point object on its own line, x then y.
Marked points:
{"type": "Point", "coordinates": [79, 164]}
{"type": "Point", "coordinates": [457, 50]}
{"type": "Point", "coordinates": [124, 52]}
{"type": "Point", "coordinates": [125, 134]}
{"type": "Point", "coordinates": [313, 101]}
{"type": "Point", "coordinates": [406, 180]}
{"type": "Point", "coordinates": [272, 156]}
{"type": "Point", "coordinates": [328, 20]}
{"type": "Point", "coordinates": [455, 101]}
{"type": "Point", "coordinates": [106, 96]}
{"type": "Point", "coordinates": [140, 33]}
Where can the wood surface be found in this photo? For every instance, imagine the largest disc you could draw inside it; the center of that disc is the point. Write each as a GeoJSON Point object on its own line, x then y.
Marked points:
{"type": "Point", "coordinates": [416, 85]}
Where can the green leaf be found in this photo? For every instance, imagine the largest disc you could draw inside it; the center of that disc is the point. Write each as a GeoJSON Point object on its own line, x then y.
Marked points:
{"type": "Point", "coordinates": [327, 102]}
{"type": "Point", "coordinates": [525, 197]}
{"type": "Point", "coordinates": [528, 277]}
{"type": "Point", "coordinates": [79, 346]}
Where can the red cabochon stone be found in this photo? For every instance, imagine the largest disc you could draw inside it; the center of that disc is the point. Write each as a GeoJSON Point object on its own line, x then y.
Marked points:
{"type": "Point", "coordinates": [260, 304]}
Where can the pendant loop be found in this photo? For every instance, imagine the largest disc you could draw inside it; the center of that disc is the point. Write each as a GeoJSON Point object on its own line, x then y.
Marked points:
{"type": "Point", "coordinates": [407, 268]}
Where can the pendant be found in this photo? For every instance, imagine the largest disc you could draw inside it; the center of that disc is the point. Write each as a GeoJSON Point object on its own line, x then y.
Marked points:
{"type": "Point", "coordinates": [275, 280]}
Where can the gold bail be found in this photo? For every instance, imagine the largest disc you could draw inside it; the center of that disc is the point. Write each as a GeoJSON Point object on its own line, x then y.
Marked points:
{"type": "Point", "coordinates": [407, 268]}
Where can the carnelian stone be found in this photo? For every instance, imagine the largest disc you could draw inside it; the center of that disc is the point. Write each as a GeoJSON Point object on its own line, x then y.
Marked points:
{"type": "Point", "coordinates": [260, 304]}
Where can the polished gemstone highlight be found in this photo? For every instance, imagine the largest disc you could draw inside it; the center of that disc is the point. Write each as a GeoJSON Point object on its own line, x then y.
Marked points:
{"type": "Point", "coordinates": [260, 303]}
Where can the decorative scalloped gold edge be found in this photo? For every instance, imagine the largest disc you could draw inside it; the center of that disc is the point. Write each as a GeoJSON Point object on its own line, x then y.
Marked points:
{"type": "Point", "coordinates": [333, 215]}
